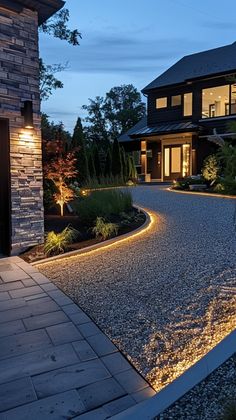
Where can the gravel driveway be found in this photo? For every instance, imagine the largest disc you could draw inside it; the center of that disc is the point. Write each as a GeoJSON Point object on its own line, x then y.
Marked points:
{"type": "Point", "coordinates": [165, 298]}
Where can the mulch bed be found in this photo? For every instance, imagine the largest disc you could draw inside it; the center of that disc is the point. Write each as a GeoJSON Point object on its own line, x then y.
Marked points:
{"type": "Point", "coordinates": [56, 223]}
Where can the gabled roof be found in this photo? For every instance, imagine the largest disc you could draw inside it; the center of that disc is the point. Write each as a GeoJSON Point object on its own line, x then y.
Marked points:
{"type": "Point", "coordinates": [45, 8]}
{"type": "Point", "coordinates": [206, 63]}
{"type": "Point", "coordinates": [142, 129]}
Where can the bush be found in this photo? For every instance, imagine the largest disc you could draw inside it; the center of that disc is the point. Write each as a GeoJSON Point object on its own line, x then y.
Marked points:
{"type": "Point", "coordinates": [230, 411]}
{"type": "Point", "coordinates": [211, 169]}
{"type": "Point", "coordinates": [57, 243]}
{"type": "Point", "coordinates": [183, 184]}
{"type": "Point", "coordinates": [105, 229]}
{"type": "Point", "coordinates": [104, 182]}
{"type": "Point", "coordinates": [105, 203]}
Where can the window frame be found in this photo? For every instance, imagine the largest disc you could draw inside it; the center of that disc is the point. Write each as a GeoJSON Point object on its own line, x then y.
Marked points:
{"type": "Point", "coordinates": [163, 107]}
{"type": "Point", "coordinates": [229, 104]}
{"type": "Point", "coordinates": [175, 96]}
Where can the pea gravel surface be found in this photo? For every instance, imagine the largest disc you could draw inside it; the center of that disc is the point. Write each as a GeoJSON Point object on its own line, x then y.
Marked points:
{"type": "Point", "coordinates": [167, 296]}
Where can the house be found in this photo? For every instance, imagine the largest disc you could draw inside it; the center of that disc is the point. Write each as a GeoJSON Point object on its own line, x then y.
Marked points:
{"type": "Point", "coordinates": [186, 106]}
{"type": "Point", "coordinates": [21, 180]}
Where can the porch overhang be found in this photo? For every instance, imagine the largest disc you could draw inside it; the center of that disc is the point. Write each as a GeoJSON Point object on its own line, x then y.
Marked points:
{"type": "Point", "coordinates": [165, 128]}
{"type": "Point", "coordinates": [44, 8]}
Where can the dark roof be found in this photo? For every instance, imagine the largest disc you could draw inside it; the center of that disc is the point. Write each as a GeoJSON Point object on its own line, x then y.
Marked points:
{"type": "Point", "coordinates": [206, 63]}
{"type": "Point", "coordinates": [45, 8]}
{"type": "Point", "coordinates": [142, 129]}
{"type": "Point", "coordinates": [126, 136]}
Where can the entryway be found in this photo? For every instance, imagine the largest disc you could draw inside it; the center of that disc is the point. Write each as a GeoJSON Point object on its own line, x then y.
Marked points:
{"type": "Point", "coordinates": [5, 236]}
{"type": "Point", "coordinates": [172, 162]}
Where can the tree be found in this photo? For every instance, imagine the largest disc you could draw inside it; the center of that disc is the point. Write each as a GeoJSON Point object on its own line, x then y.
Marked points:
{"type": "Point", "coordinates": [92, 172]}
{"type": "Point", "coordinates": [108, 163]}
{"type": "Point", "coordinates": [96, 160]}
{"type": "Point", "coordinates": [111, 116]}
{"type": "Point", "coordinates": [211, 168]}
{"type": "Point", "coordinates": [56, 139]}
{"type": "Point", "coordinates": [96, 131]}
{"type": "Point", "coordinates": [132, 172]}
{"type": "Point", "coordinates": [116, 159]}
{"type": "Point", "coordinates": [59, 171]}
{"type": "Point", "coordinates": [124, 163]}
{"type": "Point", "coordinates": [57, 26]}
{"type": "Point", "coordinates": [78, 146]}
{"type": "Point", "coordinates": [123, 108]}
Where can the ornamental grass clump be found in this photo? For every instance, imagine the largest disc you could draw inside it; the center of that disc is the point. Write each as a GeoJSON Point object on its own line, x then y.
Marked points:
{"type": "Point", "coordinates": [57, 243]}
{"type": "Point", "coordinates": [104, 229]}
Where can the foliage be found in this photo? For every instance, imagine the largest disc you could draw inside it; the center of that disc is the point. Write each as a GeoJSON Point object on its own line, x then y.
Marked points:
{"type": "Point", "coordinates": [230, 411]}
{"type": "Point", "coordinates": [57, 243]}
{"type": "Point", "coordinates": [108, 164]}
{"type": "Point", "coordinates": [57, 26]}
{"type": "Point", "coordinates": [113, 115]}
{"type": "Point", "coordinates": [56, 139]}
{"type": "Point", "coordinates": [131, 168]}
{"type": "Point", "coordinates": [96, 158]}
{"type": "Point", "coordinates": [104, 182]}
{"type": "Point", "coordinates": [78, 146]}
{"type": "Point", "coordinates": [124, 163]}
{"type": "Point", "coordinates": [183, 184]}
{"type": "Point", "coordinates": [123, 108]}
{"type": "Point", "coordinates": [116, 166]}
{"type": "Point", "coordinates": [48, 80]}
{"type": "Point", "coordinates": [105, 229]}
{"type": "Point", "coordinates": [227, 157]}
{"type": "Point", "coordinates": [91, 166]}
{"type": "Point", "coordinates": [59, 171]}
{"type": "Point", "coordinates": [211, 168]}
{"type": "Point", "coordinates": [97, 130]}
{"type": "Point", "coordinates": [105, 203]}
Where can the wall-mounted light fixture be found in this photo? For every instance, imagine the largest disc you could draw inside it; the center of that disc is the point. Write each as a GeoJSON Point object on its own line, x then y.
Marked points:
{"type": "Point", "coordinates": [27, 113]}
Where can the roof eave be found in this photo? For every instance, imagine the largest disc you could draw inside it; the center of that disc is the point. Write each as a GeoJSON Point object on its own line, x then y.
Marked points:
{"type": "Point", "coordinates": [44, 8]}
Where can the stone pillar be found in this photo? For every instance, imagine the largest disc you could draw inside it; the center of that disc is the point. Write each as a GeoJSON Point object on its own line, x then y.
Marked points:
{"type": "Point", "coordinates": [19, 82]}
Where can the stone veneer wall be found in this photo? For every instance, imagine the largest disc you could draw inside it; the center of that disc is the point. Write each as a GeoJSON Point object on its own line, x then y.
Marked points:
{"type": "Point", "coordinates": [19, 81]}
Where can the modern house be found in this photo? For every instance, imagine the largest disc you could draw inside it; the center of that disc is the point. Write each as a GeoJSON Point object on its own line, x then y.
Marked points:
{"type": "Point", "coordinates": [187, 106]}
{"type": "Point", "coordinates": [21, 186]}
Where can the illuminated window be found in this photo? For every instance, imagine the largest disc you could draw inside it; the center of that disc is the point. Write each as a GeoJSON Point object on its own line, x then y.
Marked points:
{"type": "Point", "coordinates": [233, 99]}
{"type": "Point", "coordinates": [176, 100]}
{"type": "Point", "coordinates": [186, 160]}
{"type": "Point", "coordinates": [161, 103]}
{"type": "Point", "coordinates": [215, 102]}
{"type": "Point", "coordinates": [188, 104]}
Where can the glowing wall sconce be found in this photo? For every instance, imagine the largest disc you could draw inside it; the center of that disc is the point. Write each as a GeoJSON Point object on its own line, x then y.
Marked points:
{"type": "Point", "coordinates": [27, 113]}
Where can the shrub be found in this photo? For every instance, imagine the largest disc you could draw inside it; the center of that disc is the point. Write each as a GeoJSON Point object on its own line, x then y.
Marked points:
{"type": "Point", "coordinates": [211, 168]}
{"type": "Point", "coordinates": [183, 184]}
{"type": "Point", "coordinates": [227, 155]}
{"type": "Point", "coordinates": [104, 229]}
{"type": "Point", "coordinates": [230, 411]}
{"type": "Point", "coordinates": [57, 243]}
{"type": "Point", "coordinates": [105, 203]}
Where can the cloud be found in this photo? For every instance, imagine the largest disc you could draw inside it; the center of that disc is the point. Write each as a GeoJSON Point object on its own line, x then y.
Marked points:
{"type": "Point", "coordinates": [117, 53]}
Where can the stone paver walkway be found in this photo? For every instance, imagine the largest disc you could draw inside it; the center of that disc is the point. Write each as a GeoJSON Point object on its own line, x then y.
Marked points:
{"type": "Point", "coordinates": [55, 363]}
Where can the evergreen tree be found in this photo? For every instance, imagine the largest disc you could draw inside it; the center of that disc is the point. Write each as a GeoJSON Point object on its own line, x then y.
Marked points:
{"type": "Point", "coordinates": [78, 145]}
{"type": "Point", "coordinates": [124, 163]}
{"type": "Point", "coordinates": [92, 172]}
{"type": "Point", "coordinates": [116, 159]}
{"type": "Point", "coordinates": [132, 172]}
{"type": "Point", "coordinates": [108, 164]}
{"type": "Point", "coordinates": [97, 165]}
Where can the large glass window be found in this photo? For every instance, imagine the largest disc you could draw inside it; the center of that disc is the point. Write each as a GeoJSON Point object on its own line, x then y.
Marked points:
{"type": "Point", "coordinates": [161, 103]}
{"type": "Point", "coordinates": [233, 99]}
{"type": "Point", "coordinates": [215, 102]}
{"type": "Point", "coordinates": [176, 100]}
{"type": "Point", "coordinates": [188, 104]}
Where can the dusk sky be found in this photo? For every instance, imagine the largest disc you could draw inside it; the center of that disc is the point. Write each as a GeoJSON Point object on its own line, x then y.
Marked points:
{"type": "Point", "coordinates": [130, 41]}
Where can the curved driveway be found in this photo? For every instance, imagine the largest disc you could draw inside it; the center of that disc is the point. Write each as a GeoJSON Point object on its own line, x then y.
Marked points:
{"type": "Point", "coordinates": [169, 295]}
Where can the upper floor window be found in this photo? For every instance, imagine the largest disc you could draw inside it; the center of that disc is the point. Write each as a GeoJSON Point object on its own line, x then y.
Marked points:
{"type": "Point", "coordinates": [161, 103]}
{"type": "Point", "coordinates": [176, 100]}
{"type": "Point", "coordinates": [188, 104]}
{"type": "Point", "coordinates": [219, 101]}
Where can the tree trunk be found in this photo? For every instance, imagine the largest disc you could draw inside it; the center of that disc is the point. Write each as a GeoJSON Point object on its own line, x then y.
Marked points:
{"type": "Point", "coordinates": [62, 209]}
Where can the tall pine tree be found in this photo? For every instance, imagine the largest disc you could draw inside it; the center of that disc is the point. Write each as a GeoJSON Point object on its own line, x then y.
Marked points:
{"type": "Point", "coordinates": [97, 165]}
{"type": "Point", "coordinates": [78, 145]}
{"type": "Point", "coordinates": [108, 163]}
{"type": "Point", "coordinates": [116, 167]}
{"type": "Point", "coordinates": [92, 172]}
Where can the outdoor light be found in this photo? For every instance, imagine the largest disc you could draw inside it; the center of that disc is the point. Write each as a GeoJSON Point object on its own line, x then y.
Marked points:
{"type": "Point", "coordinates": [27, 113]}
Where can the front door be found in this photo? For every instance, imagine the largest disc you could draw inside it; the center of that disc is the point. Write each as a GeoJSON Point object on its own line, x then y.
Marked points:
{"type": "Point", "coordinates": [5, 238]}
{"type": "Point", "coordinates": [172, 162]}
